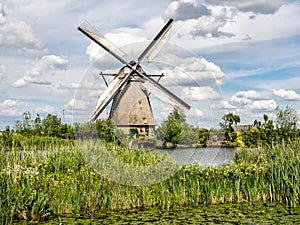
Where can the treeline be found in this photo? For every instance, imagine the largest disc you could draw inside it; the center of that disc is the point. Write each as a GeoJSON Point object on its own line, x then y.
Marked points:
{"type": "Point", "coordinates": [261, 133]}
{"type": "Point", "coordinates": [175, 130]}
{"type": "Point", "coordinates": [172, 132]}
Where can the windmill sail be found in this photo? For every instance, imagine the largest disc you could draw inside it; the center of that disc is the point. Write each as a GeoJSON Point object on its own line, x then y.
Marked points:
{"type": "Point", "coordinates": [157, 43]}
{"type": "Point", "coordinates": [110, 92]}
{"type": "Point", "coordinates": [163, 93]}
{"type": "Point", "coordinates": [93, 34]}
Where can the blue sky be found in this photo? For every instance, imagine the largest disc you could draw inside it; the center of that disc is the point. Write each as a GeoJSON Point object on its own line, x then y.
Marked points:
{"type": "Point", "coordinates": [226, 56]}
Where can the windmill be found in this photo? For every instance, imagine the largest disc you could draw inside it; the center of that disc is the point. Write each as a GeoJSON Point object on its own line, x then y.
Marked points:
{"type": "Point", "coordinates": [131, 87]}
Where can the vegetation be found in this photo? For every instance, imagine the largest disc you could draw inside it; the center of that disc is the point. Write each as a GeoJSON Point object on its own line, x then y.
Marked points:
{"type": "Point", "coordinates": [266, 133]}
{"type": "Point", "coordinates": [38, 186]}
{"type": "Point", "coordinates": [39, 133]}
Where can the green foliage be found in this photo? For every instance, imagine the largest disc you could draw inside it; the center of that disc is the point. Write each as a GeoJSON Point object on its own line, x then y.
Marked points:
{"type": "Point", "coordinates": [229, 120]}
{"type": "Point", "coordinates": [203, 135]}
{"type": "Point", "coordinates": [34, 186]}
{"type": "Point", "coordinates": [50, 126]}
{"type": "Point", "coordinates": [170, 130]}
{"type": "Point", "coordinates": [286, 123]}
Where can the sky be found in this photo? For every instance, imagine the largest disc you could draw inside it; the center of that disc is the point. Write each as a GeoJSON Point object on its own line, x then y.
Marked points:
{"type": "Point", "coordinates": [223, 56]}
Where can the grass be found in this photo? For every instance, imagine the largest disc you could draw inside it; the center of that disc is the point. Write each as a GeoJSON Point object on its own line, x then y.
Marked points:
{"type": "Point", "coordinates": [38, 186]}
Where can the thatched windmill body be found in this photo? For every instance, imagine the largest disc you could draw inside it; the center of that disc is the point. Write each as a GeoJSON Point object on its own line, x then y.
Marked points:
{"type": "Point", "coordinates": [131, 87]}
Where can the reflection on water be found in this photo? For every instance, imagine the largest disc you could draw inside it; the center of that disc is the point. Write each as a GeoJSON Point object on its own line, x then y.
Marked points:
{"type": "Point", "coordinates": [200, 156]}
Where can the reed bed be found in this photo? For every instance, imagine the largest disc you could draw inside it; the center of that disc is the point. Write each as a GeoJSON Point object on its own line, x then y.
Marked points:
{"type": "Point", "coordinates": [29, 143]}
{"type": "Point", "coordinates": [38, 186]}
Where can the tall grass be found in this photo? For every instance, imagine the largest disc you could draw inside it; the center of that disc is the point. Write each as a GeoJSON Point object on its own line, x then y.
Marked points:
{"type": "Point", "coordinates": [22, 142]}
{"type": "Point", "coordinates": [38, 186]}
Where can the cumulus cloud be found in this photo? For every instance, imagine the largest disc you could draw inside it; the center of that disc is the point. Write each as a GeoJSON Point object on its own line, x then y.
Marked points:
{"type": "Point", "coordinates": [185, 10]}
{"type": "Point", "coordinates": [258, 6]}
{"type": "Point", "coordinates": [46, 109]}
{"type": "Point", "coordinates": [251, 94]}
{"type": "Point", "coordinates": [48, 64]}
{"type": "Point", "coordinates": [211, 26]}
{"type": "Point", "coordinates": [10, 107]}
{"type": "Point", "coordinates": [200, 93]}
{"type": "Point", "coordinates": [252, 100]}
{"type": "Point", "coordinates": [287, 94]}
{"type": "Point", "coordinates": [17, 34]}
{"type": "Point", "coordinates": [266, 105]}
{"type": "Point", "coordinates": [188, 70]}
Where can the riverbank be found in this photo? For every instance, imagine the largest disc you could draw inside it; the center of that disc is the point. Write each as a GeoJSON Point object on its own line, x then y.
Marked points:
{"type": "Point", "coordinates": [37, 187]}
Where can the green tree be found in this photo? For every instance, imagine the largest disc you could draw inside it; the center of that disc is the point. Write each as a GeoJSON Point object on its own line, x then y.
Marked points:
{"type": "Point", "coordinates": [51, 125]}
{"type": "Point", "coordinates": [189, 134]}
{"type": "Point", "coordinates": [170, 130]}
{"type": "Point", "coordinates": [286, 123]}
{"type": "Point", "coordinates": [105, 130]}
{"type": "Point", "coordinates": [228, 120]}
{"type": "Point", "coordinates": [203, 135]}
{"type": "Point", "coordinates": [269, 129]}
{"type": "Point", "coordinates": [6, 139]}
{"type": "Point", "coordinates": [37, 125]}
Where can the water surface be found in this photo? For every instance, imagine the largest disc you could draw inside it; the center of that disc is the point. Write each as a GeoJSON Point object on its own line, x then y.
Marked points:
{"type": "Point", "coordinates": [200, 156]}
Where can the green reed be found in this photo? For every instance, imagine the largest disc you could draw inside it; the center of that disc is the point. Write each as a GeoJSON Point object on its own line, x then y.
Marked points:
{"type": "Point", "coordinates": [22, 142]}
{"type": "Point", "coordinates": [37, 186]}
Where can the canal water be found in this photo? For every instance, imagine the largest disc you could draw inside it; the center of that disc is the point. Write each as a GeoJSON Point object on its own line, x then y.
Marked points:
{"type": "Point", "coordinates": [250, 214]}
{"type": "Point", "coordinates": [202, 157]}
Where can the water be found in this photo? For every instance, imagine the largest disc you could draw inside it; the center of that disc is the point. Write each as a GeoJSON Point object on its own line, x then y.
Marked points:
{"type": "Point", "coordinates": [250, 214]}
{"type": "Point", "coordinates": [200, 156]}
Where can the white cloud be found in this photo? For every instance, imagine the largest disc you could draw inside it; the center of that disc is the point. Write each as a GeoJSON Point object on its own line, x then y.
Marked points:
{"type": "Point", "coordinates": [194, 112]}
{"type": "Point", "coordinates": [243, 98]}
{"type": "Point", "coordinates": [45, 109]}
{"type": "Point", "coordinates": [252, 100]}
{"type": "Point", "coordinates": [191, 71]}
{"type": "Point", "coordinates": [267, 105]}
{"type": "Point", "coordinates": [251, 94]}
{"type": "Point", "coordinates": [17, 34]}
{"type": "Point", "coordinates": [10, 103]}
{"type": "Point", "coordinates": [10, 107]}
{"type": "Point", "coordinates": [48, 64]}
{"type": "Point", "coordinates": [209, 27]}
{"type": "Point", "coordinates": [287, 94]}
{"type": "Point", "coordinates": [240, 100]}
{"type": "Point", "coordinates": [184, 10]}
{"type": "Point", "coordinates": [258, 6]}
{"type": "Point", "coordinates": [200, 93]}
{"type": "Point", "coordinates": [77, 104]}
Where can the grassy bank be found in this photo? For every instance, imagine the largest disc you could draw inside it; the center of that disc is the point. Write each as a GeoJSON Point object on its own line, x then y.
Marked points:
{"type": "Point", "coordinates": [37, 186]}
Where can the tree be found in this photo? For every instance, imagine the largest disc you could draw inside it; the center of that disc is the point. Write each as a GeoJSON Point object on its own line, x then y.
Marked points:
{"type": "Point", "coordinates": [286, 123]}
{"type": "Point", "coordinates": [51, 125]}
{"type": "Point", "coordinates": [170, 130]}
{"type": "Point", "coordinates": [105, 130]}
{"type": "Point", "coordinates": [203, 135]}
{"type": "Point", "coordinates": [229, 119]}
{"type": "Point", "coordinates": [269, 129]}
{"type": "Point", "coordinates": [37, 125]}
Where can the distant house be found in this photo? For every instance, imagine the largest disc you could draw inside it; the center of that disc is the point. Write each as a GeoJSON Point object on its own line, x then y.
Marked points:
{"type": "Point", "coordinates": [243, 128]}
{"type": "Point", "coordinates": [216, 139]}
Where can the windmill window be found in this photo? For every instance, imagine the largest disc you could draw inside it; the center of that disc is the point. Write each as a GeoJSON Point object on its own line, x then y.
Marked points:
{"type": "Point", "coordinates": [140, 104]}
{"type": "Point", "coordinates": [145, 121]}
